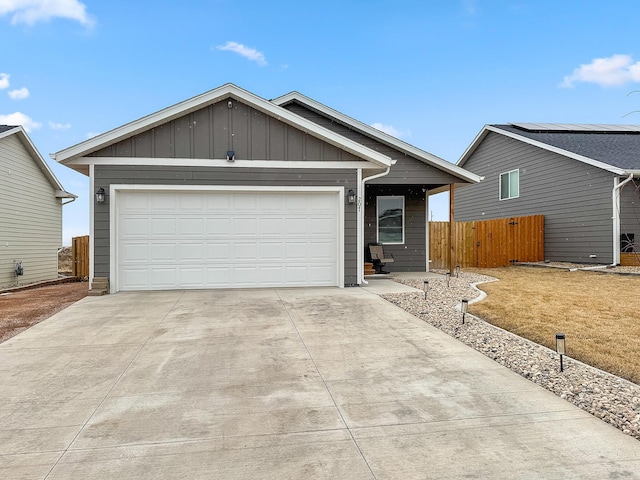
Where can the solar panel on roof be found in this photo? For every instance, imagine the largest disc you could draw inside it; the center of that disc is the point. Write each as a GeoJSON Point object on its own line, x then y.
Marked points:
{"type": "Point", "coordinates": [576, 127]}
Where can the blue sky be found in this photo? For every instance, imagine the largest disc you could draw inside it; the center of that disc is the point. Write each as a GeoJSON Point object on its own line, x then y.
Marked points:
{"type": "Point", "coordinates": [430, 72]}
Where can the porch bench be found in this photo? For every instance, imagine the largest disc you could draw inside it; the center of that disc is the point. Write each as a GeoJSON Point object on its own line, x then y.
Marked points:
{"type": "Point", "coordinates": [379, 258]}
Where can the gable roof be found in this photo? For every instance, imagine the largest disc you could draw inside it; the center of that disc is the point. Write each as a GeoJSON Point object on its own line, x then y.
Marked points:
{"type": "Point", "coordinates": [76, 152]}
{"type": "Point", "coordinates": [378, 135]}
{"type": "Point", "coordinates": [615, 148]}
{"type": "Point", "coordinates": [21, 134]}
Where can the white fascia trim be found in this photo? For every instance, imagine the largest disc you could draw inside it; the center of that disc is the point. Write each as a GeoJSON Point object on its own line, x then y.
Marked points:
{"type": "Point", "coordinates": [206, 162]}
{"type": "Point", "coordinates": [114, 190]}
{"type": "Point", "coordinates": [560, 151]}
{"type": "Point", "coordinates": [200, 101]}
{"type": "Point", "coordinates": [31, 148]}
{"type": "Point", "coordinates": [471, 148]}
{"type": "Point", "coordinates": [420, 154]}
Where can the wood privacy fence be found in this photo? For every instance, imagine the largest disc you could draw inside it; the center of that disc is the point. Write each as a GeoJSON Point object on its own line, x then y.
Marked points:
{"type": "Point", "coordinates": [488, 243]}
{"type": "Point", "coordinates": [80, 256]}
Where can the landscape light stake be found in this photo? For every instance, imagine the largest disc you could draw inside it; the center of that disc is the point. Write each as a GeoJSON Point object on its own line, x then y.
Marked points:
{"type": "Point", "coordinates": [464, 307]}
{"type": "Point", "coordinates": [458, 271]}
{"type": "Point", "coordinates": [425, 288]}
{"type": "Point", "coordinates": [561, 347]}
{"type": "Point", "coordinates": [448, 274]}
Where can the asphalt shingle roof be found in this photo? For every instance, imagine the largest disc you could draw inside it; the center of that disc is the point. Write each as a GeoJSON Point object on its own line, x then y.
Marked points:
{"type": "Point", "coordinates": [619, 149]}
{"type": "Point", "coordinates": [4, 128]}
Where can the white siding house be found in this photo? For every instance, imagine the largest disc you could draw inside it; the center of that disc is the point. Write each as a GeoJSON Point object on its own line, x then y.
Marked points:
{"type": "Point", "coordinates": [31, 200]}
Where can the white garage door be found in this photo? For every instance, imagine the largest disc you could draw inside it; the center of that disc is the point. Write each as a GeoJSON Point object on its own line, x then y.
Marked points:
{"type": "Point", "coordinates": [226, 239]}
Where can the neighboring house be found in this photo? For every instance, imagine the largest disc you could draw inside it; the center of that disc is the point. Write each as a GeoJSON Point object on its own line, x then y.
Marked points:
{"type": "Point", "coordinates": [229, 190]}
{"type": "Point", "coordinates": [584, 179]}
{"type": "Point", "coordinates": [31, 200]}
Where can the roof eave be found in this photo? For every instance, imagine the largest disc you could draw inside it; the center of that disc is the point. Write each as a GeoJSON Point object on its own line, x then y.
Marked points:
{"type": "Point", "coordinates": [383, 137]}
{"type": "Point", "coordinates": [581, 158]}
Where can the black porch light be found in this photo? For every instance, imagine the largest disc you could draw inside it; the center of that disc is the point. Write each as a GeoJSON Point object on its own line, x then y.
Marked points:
{"type": "Point", "coordinates": [561, 347]}
{"type": "Point", "coordinates": [100, 195]}
{"type": "Point", "coordinates": [351, 197]}
{"type": "Point", "coordinates": [464, 308]}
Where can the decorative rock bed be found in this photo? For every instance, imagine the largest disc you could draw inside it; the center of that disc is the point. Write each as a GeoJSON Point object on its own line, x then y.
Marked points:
{"type": "Point", "coordinates": [610, 398]}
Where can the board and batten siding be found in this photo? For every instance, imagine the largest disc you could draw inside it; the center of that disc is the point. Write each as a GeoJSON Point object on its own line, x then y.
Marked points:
{"type": "Point", "coordinates": [225, 176]}
{"type": "Point", "coordinates": [407, 170]}
{"type": "Point", "coordinates": [211, 131]}
{"type": "Point", "coordinates": [30, 217]}
{"type": "Point", "coordinates": [574, 197]}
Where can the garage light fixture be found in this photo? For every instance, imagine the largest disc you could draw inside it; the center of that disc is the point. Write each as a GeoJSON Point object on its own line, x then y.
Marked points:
{"type": "Point", "coordinates": [351, 197]}
{"type": "Point", "coordinates": [561, 347]}
{"type": "Point", "coordinates": [231, 156]}
{"type": "Point", "coordinates": [100, 195]}
{"type": "Point", "coordinates": [464, 308]}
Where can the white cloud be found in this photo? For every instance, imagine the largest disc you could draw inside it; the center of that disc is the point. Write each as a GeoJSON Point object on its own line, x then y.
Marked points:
{"type": "Point", "coordinates": [34, 11]}
{"type": "Point", "coordinates": [4, 79]}
{"type": "Point", "coordinates": [247, 52]}
{"type": "Point", "coordinates": [390, 130]}
{"type": "Point", "coordinates": [607, 72]}
{"type": "Point", "coordinates": [59, 126]}
{"type": "Point", "coordinates": [19, 94]}
{"type": "Point", "coordinates": [19, 118]}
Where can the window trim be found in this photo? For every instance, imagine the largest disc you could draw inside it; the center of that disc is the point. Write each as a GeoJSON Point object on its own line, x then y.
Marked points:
{"type": "Point", "coordinates": [378, 198]}
{"type": "Point", "coordinates": [517, 170]}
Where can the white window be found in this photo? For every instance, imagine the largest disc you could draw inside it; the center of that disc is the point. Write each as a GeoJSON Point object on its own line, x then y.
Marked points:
{"type": "Point", "coordinates": [510, 184]}
{"type": "Point", "coordinates": [390, 219]}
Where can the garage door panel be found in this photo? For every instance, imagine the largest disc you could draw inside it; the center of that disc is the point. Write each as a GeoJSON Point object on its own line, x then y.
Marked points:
{"type": "Point", "coordinates": [218, 252]}
{"type": "Point", "coordinates": [247, 226]}
{"type": "Point", "coordinates": [133, 252]}
{"type": "Point", "coordinates": [192, 203]}
{"type": "Point", "coordinates": [191, 277]}
{"type": "Point", "coordinates": [162, 252]}
{"type": "Point", "coordinates": [163, 277]}
{"type": "Point", "coordinates": [271, 251]}
{"type": "Point", "coordinates": [225, 239]}
{"type": "Point", "coordinates": [191, 251]}
{"type": "Point", "coordinates": [163, 226]}
{"type": "Point", "coordinates": [219, 227]}
{"type": "Point", "coordinates": [270, 226]}
{"type": "Point", "coordinates": [135, 227]}
{"type": "Point", "coordinates": [296, 226]}
{"type": "Point", "coordinates": [321, 251]}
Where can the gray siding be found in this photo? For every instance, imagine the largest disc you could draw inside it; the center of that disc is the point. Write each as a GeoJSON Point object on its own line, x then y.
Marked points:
{"type": "Point", "coordinates": [630, 211]}
{"type": "Point", "coordinates": [574, 197]}
{"type": "Point", "coordinates": [407, 170]}
{"type": "Point", "coordinates": [210, 132]}
{"type": "Point", "coordinates": [30, 217]}
{"type": "Point", "coordinates": [107, 175]}
{"type": "Point", "coordinates": [410, 256]}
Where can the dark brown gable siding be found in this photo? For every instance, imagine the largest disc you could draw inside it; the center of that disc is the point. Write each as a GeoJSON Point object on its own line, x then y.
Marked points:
{"type": "Point", "coordinates": [210, 132]}
{"type": "Point", "coordinates": [407, 170]}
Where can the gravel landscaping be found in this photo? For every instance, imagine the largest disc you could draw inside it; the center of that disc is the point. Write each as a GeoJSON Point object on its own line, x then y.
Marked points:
{"type": "Point", "coordinates": [606, 396]}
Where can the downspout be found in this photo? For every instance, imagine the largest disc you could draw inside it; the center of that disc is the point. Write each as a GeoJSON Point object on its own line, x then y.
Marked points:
{"type": "Point", "coordinates": [360, 225]}
{"type": "Point", "coordinates": [615, 195]}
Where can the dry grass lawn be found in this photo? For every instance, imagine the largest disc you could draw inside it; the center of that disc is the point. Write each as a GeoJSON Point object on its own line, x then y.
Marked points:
{"type": "Point", "coordinates": [598, 312]}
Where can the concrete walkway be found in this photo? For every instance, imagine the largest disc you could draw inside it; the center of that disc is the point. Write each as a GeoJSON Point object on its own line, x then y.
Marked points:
{"type": "Point", "coordinates": [279, 384]}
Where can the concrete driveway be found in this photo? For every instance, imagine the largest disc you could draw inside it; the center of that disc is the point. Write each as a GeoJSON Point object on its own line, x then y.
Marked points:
{"type": "Point", "coordinates": [280, 384]}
